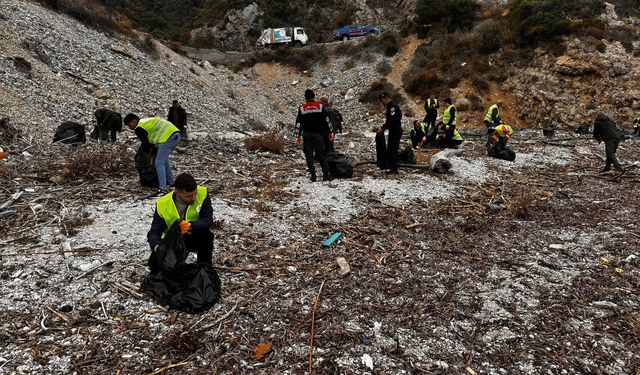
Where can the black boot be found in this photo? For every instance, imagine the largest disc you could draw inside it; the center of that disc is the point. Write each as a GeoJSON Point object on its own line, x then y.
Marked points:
{"type": "Point", "coordinates": [313, 177]}
{"type": "Point", "coordinates": [326, 177]}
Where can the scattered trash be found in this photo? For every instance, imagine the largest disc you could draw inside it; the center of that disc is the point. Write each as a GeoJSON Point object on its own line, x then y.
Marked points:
{"type": "Point", "coordinates": [470, 371]}
{"type": "Point", "coordinates": [261, 350]}
{"type": "Point", "coordinates": [344, 266]}
{"type": "Point", "coordinates": [366, 342]}
{"type": "Point", "coordinates": [295, 83]}
{"type": "Point", "coordinates": [367, 361]}
{"type": "Point", "coordinates": [329, 241]}
{"type": "Point", "coordinates": [604, 261]}
{"type": "Point", "coordinates": [604, 304]}
{"type": "Point", "coordinates": [630, 258]}
{"type": "Point", "coordinates": [556, 246]}
{"type": "Point", "coordinates": [619, 270]}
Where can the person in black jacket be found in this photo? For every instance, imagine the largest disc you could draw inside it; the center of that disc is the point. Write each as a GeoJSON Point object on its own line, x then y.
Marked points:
{"type": "Point", "coordinates": [181, 205]}
{"type": "Point", "coordinates": [393, 123]}
{"type": "Point", "coordinates": [312, 122]}
{"type": "Point", "coordinates": [604, 129]}
{"type": "Point", "coordinates": [107, 121]}
{"type": "Point", "coordinates": [178, 117]}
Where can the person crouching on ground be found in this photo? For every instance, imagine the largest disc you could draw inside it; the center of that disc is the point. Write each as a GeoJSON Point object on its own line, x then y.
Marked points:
{"type": "Point", "coordinates": [418, 134]}
{"type": "Point", "coordinates": [190, 205]}
{"type": "Point", "coordinates": [160, 133]}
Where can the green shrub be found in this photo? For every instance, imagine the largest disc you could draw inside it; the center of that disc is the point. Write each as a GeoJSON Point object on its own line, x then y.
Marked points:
{"type": "Point", "coordinates": [389, 43]}
{"type": "Point", "coordinates": [377, 87]}
{"type": "Point", "coordinates": [536, 21]}
{"type": "Point", "coordinates": [447, 15]}
{"type": "Point", "coordinates": [491, 36]}
{"type": "Point", "coordinates": [600, 46]}
{"type": "Point", "coordinates": [423, 83]}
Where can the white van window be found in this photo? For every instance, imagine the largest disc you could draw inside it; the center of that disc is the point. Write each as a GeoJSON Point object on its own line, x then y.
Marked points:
{"type": "Point", "coordinates": [300, 31]}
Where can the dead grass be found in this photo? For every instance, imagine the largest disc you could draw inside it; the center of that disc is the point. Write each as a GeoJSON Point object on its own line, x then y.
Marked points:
{"type": "Point", "coordinates": [91, 163]}
{"type": "Point", "coordinates": [520, 207]}
{"type": "Point", "coordinates": [269, 142]}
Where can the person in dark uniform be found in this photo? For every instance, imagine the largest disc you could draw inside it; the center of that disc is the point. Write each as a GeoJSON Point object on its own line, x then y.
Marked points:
{"type": "Point", "coordinates": [313, 124]}
{"type": "Point", "coordinates": [604, 129]}
{"type": "Point", "coordinates": [636, 125]}
{"type": "Point", "coordinates": [178, 117]}
{"type": "Point", "coordinates": [107, 121]}
{"type": "Point", "coordinates": [393, 123]}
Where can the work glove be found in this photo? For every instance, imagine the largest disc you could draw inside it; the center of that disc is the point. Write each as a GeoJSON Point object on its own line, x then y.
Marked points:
{"type": "Point", "coordinates": [184, 226]}
{"type": "Point", "coordinates": [331, 137]}
{"type": "Point", "coordinates": [298, 141]}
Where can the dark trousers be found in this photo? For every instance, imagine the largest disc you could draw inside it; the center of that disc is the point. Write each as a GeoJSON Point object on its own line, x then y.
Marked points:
{"type": "Point", "coordinates": [393, 145]}
{"type": "Point", "coordinates": [416, 138]}
{"type": "Point", "coordinates": [610, 148]}
{"type": "Point", "coordinates": [313, 144]}
{"type": "Point", "coordinates": [430, 118]}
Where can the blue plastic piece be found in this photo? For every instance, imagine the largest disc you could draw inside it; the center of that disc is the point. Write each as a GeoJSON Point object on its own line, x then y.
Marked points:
{"type": "Point", "coordinates": [329, 241]}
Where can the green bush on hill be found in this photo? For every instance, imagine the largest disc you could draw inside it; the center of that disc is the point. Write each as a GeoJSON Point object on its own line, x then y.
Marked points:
{"type": "Point", "coordinates": [447, 15]}
{"type": "Point", "coordinates": [536, 21]}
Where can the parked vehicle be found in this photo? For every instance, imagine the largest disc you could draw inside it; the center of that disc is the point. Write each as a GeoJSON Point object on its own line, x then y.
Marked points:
{"type": "Point", "coordinates": [282, 36]}
{"type": "Point", "coordinates": [354, 31]}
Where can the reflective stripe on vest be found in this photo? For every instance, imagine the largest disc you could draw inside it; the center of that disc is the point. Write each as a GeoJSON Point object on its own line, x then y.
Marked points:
{"type": "Point", "coordinates": [158, 129]}
{"type": "Point", "coordinates": [167, 210]}
{"type": "Point", "coordinates": [488, 117]}
{"type": "Point", "coordinates": [501, 131]}
{"type": "Point", "coordinates": [435, 102]}
{"type": "Point", "coordinates": [447, 116]}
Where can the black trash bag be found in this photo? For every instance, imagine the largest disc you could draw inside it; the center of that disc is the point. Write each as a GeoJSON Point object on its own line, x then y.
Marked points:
{"type": "Point", "coordinates": [191, 288]}
{"type": "Point", "coordinates": [584, 129]}
{"type": "Point", "coordinates": [407, 156]}
{"type": "Point", "coordinates": [171, 251]}
{"type": "Point", "coordinates": [146, 166]}
{"type": "Point", "coordinates": [70, 133]}
{"type": "Point", "coordinates": [381, 151]}
{"type": "Point", "coordinates": [506, 154]}
{"type": "Point", "coordinates": [339, 165]}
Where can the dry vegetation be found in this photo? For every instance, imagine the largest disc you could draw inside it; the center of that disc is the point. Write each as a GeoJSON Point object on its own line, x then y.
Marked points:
{"type": "Point", "coordinates": [269, 141]}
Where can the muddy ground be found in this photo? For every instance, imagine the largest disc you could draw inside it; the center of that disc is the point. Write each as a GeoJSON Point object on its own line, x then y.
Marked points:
{"type": "Point", "coordinates": [495, 268]}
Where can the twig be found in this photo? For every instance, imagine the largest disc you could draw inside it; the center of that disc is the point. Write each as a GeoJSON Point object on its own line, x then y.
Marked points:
{"type": "Point", "coordinates": [313, 321]}
{"type": "Point", "coordinates": [225, 316]}
{"type": "Point", "coordinates": [12, 199]}
{"type": "Point", "coordinates": [93, 269]}
{"type": "Point", "coordinates": [414, 225]}
{"type": "Point", "coordinates": [169, 366]}
{"type": "Point", "coordinates": [54, 312]}
{"type": "Point", "coordinates": [242, 269]}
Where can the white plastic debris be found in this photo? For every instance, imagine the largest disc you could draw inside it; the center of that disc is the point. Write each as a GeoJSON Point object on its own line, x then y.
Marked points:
{"type": "Point", "coordinates": [367, 361]}
{"type": "Point", "coordinates": [556, 246]}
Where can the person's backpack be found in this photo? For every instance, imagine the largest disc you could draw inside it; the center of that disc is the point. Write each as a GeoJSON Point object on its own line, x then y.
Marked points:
{"type": "Point", "coordinates": [145, 164]}
{"type": "Point", "coordinates": [188, 287]}
{"type": "Point", "coordinates": [70, 133]}
{"type": "Point", "coordinates": [339, 165]}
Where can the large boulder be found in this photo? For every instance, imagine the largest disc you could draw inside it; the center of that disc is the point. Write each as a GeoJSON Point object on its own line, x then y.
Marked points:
{"type": "Point", "coordinates": [237, 32]}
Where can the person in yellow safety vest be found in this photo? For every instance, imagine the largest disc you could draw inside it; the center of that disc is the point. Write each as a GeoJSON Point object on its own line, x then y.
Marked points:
{"type": "Point", "coordinates": [452, 138]}
{"type": "Point", "coordinates": [431, 109]}
{"type": "Point", "coordinates": [160, 133]}
{"type": "Point", "coordinates": [498, 140]}
{"type": "Point", "coordinates": [492, 119]}
{"type": "Point", "coordinates": [418, 134]}
{"type": "Point", "coordinates": [189, 205]}
{"type": "Point", "coordinates": [636, 126]}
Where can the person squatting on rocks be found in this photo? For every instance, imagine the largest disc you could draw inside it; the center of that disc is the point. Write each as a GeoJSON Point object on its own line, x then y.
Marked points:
{"type": "Point", "coordinates": [498, 140]}
{"type": "Point", "coordinates": [604, 129]}
{"type": "Point", "coordinates": [107, 121]}
{"type": "Point", "coordinates": [312, 122]}
{"type": "Point", "coordinates": [636, 126]}
{"type": "Point", "coordinates": [418, 134]}
{"type": "Point", "coordinates": [431, 108]}
{"type": "Point", "coordinates": [160, 133]}
{"type": "Point", "coordinates": [492, 119]}
{"type": "Point", "coordinates": [178, 117]}
{"type": "Point", "coordinates": [190, 205]}
{"type": "Point", "coordinates": [452, 138]}
{"type": "Point", "coordinates": [393, 123]}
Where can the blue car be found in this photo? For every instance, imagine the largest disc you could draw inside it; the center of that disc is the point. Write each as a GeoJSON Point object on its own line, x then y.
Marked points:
{"type": "Point", "coordinates": [354, 31]}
